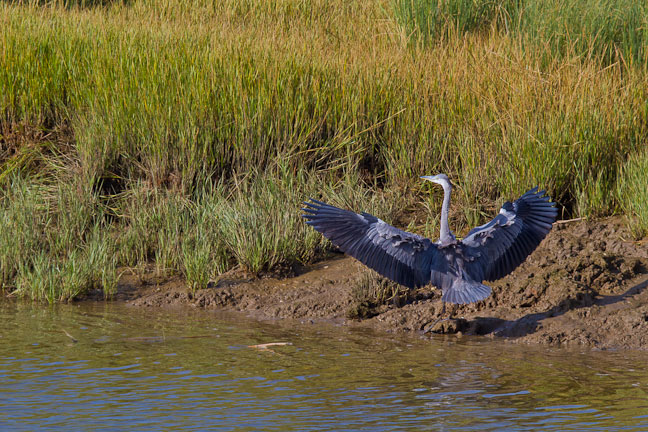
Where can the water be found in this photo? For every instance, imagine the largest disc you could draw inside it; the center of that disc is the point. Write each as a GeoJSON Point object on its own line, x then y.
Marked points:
{"type": "Point", "coordinates": [153, 369]}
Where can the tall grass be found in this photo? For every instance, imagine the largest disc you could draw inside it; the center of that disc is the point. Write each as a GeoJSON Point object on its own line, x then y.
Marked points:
{"type": "Point", "coordinates": [432, 20]}
{"type": "Point", "coordinates": [53, 245]}
{"type": "Point", "coordinates": [634, 193]}
{"type": "Point", "coordinates": [182, 135]}
{"type": "Point", "coordinates": [258, 218]}
{"type": "Point", "coordinates": [607, 30]}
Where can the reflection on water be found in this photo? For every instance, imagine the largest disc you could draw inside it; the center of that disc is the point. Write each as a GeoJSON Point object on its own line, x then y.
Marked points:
{"type": "Point", "coordinates": [107, 366]}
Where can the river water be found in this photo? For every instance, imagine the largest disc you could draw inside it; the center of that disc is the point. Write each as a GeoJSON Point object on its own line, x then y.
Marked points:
{"type": "Point", "coordinates": [111, 367]}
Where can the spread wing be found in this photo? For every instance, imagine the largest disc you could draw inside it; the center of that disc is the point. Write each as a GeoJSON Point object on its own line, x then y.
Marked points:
{"type": "Point", "coordinates": [400, 256]}
{"type": "Point", "coordinates": [504, 243]}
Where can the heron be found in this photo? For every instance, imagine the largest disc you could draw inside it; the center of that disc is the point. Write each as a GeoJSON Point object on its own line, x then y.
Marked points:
{"type": "Point", "coordinates": [457, 267]}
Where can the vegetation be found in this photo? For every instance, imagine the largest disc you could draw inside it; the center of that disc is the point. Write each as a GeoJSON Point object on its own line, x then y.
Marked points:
{"type": "Point", "coordinates": [370, 291]}
{"type": "Point", "coordinates": [182, 135]}
{"type": "Point", "coordinates": [609, 31]}
{"type": "Point", "coordinates": [634, 193]}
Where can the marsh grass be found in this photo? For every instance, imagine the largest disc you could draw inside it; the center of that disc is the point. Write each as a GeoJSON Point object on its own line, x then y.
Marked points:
{"type": "Point", "coordinates": [203, 252]}
{"type": "Point", "coordinates": [434, 20]}
{"type": "Point", "coordinates": [54, 245]}
{"type": "Point", "coordinates": [634, 193]}
{"type": "Point", "coordinates": [608, 31]}
{"type": "Point", "coordinates": [175, 233]}
{"type": "Point", "coordinates": [251, 221]}
{"type": "Point", "coordinates": [259, 219]}
{"type": "Point", "coordinates": [185, 134]}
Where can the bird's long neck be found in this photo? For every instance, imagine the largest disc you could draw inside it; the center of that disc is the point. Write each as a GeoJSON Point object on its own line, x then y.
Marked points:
{"type": "Point", "coordinates": [445, 229]}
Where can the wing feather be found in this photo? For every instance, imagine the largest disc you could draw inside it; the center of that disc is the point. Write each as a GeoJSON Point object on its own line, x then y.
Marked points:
{"type": "Point", "coordinates": [403, 257]}
{"type": "Point", "coordinates": [503, 244]}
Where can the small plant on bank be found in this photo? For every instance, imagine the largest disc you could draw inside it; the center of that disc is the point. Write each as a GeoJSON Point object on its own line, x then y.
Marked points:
{"type": "Point", "coordinates": [371, 291]}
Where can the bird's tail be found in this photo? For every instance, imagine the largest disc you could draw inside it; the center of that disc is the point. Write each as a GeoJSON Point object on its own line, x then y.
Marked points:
{"type": "Point", "coordinates": [462, 291]}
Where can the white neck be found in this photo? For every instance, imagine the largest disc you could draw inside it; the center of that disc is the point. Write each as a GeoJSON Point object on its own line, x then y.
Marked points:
{"type": "Point", "coordinates": [445, 235]}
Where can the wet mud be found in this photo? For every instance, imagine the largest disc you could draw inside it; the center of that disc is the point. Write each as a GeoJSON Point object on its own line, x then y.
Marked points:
{"type": "Point", "coordinates": [586, 284]}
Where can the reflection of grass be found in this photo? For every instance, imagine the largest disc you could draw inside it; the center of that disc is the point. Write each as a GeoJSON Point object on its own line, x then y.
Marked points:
{"type": "Point", "coordinates": [189, 140]}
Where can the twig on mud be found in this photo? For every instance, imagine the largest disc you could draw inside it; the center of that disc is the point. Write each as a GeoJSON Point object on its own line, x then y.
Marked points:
{"type": "Point", "coordinates": [69, 335]}
{"type": "Point", "coordinates": [265, 346]}
{"type": "Point", "coordinates": [637, 242]}
{"type": "Point", "coordinates": [564, 221]}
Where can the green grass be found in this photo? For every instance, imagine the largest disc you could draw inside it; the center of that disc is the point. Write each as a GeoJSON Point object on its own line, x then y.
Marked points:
{"type": "Point", "coordinates": [259, 218]}
{"type": "Point", "coordinates": [634, 193]}
{"type": "Point", "coordinates": [181, 136]}
{"type": "Point", "coordinates": [607, 30]}
{"type": "Point", "coordinates": [54, 245]}
{"type": "Point", "coordinates": [434, 20]}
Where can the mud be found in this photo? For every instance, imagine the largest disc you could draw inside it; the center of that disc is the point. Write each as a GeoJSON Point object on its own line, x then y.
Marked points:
{"type": "Point", "coordinates": [587, 284]}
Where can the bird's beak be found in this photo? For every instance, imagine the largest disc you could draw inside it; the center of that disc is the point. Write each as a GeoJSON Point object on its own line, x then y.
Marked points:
{"type": "Point", "coordinates": [430, 178]}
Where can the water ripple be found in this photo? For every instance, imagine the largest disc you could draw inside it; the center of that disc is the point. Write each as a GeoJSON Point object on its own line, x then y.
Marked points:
{"type": "Point", "coordinates": [329, 379]}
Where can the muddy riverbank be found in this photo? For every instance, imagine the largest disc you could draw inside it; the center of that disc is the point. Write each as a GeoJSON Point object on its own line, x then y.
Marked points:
{"type": "Point", "coordinates": [585, 285]}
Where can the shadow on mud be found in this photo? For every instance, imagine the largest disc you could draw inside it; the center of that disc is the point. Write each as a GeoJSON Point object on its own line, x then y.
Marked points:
{"type": "Point", "coordinates": [529, 324]}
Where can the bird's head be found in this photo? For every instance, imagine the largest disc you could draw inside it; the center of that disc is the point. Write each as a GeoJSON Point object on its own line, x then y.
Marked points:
{"type": "Point", "coordinates": [441, 179]}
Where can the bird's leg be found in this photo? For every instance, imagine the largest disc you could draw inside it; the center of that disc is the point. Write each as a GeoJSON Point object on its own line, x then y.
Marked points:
{"type": "Point", "coordinates": [452, 311]}
{"type": "Point", "coordinates": [443, 310]}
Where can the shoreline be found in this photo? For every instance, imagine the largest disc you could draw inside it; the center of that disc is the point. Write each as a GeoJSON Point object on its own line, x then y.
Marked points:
{"type": "Point", "coordinates": [584, 286]}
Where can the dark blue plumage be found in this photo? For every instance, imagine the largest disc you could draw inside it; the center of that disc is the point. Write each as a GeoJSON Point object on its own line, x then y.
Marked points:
{"type": "Point", "coordinates": [488, 252]}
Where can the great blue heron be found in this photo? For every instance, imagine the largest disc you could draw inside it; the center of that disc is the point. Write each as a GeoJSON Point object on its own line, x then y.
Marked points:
{"type": "Point", "coordinates": [488, 252]}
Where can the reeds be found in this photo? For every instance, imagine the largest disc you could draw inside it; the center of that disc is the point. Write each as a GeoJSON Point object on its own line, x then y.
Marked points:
{"type": "Point", "coordinates": [634, 193]}
{"type": "Point", "coordinates": [188, 132]}
{"type": "Point", "coordinates": [53, 244]}
{"type": "Point", "coordinates": [605, 30]}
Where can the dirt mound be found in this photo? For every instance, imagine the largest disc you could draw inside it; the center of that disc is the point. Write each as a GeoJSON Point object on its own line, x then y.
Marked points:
{"type": "Point", "coordinates": [321, 292]}
{"type": "Point", "coordinates": [585, 284]}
